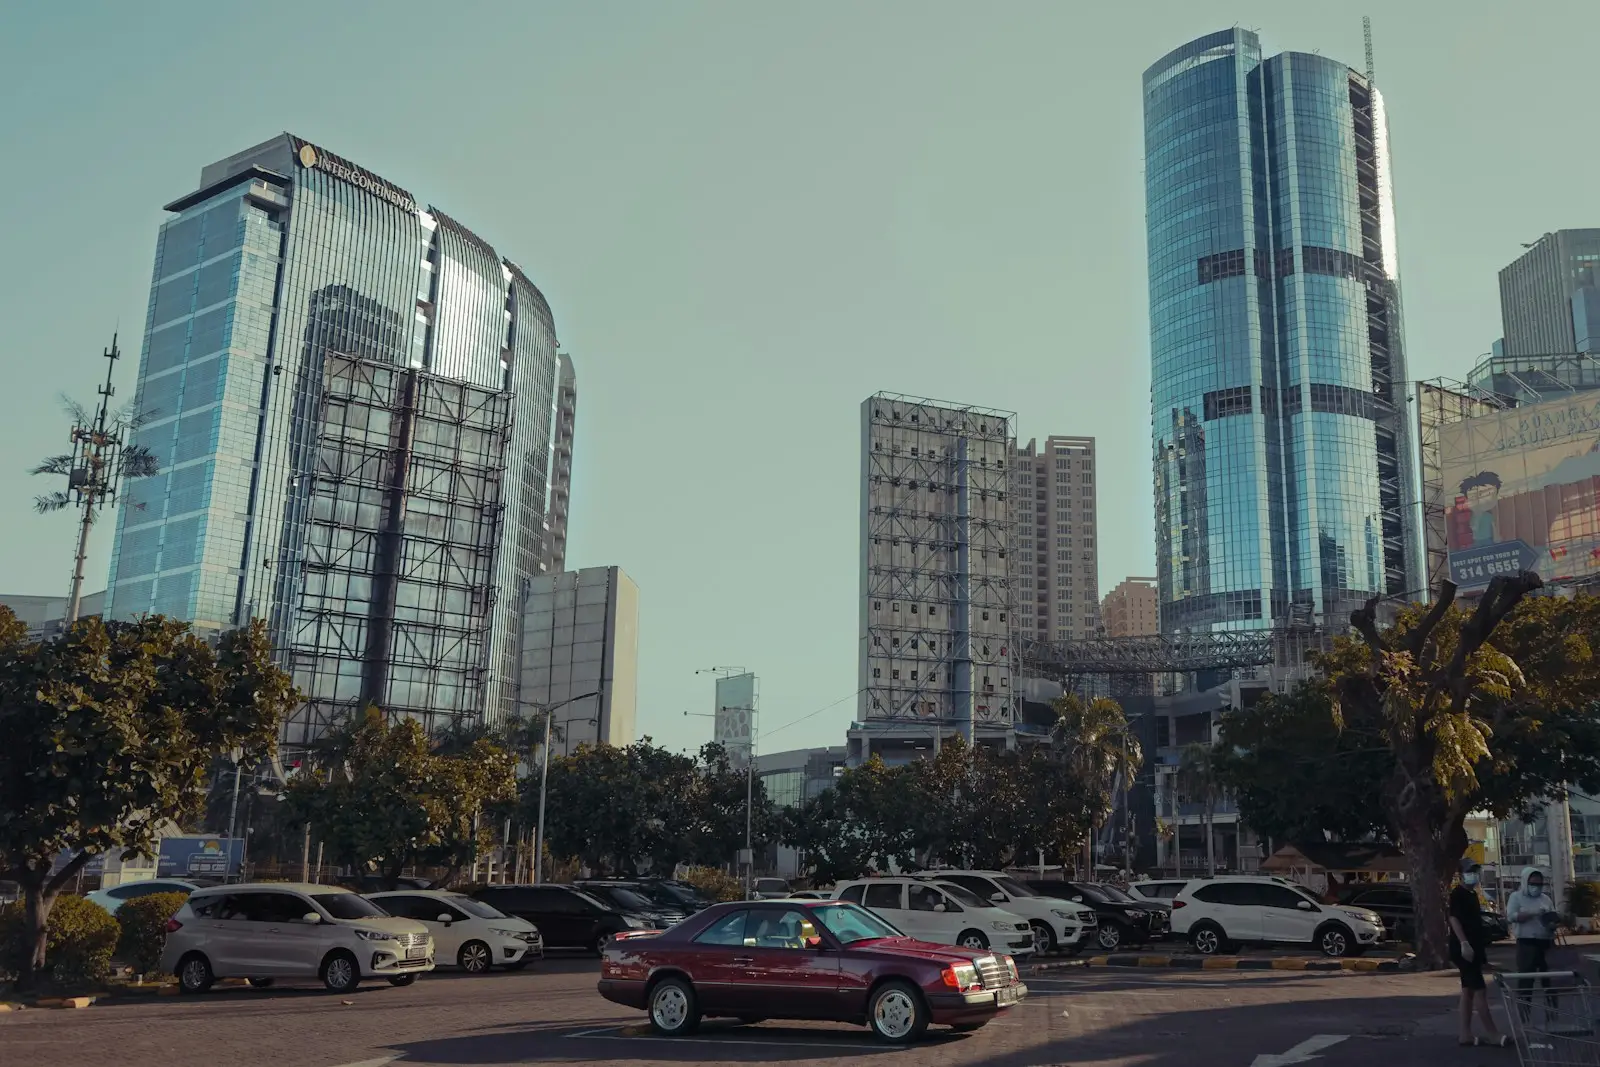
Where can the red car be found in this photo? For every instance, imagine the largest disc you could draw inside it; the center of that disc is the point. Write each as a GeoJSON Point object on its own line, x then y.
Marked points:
{"type": "Point", "coordinates": [804, 959]}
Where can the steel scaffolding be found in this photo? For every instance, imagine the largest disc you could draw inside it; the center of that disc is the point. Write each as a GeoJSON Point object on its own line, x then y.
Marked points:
{"type": "Point", "coordinates": [1441, 402]}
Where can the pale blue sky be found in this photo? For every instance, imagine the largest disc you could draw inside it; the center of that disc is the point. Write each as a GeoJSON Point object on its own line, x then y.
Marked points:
{"type": "Point", "coordinates": [747, 217]}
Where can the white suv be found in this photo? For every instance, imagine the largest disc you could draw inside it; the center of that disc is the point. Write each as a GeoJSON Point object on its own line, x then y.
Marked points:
{"type": "Point", "coordinates": [272, 930]}
{"type": "Point", "coordinates": [1216, 913]}
{"type": "Point", "coordinates": [1056, 924]}
{"type": "Point", "coordinates": [469, 933]}
{"type": "Point", "coordinates": [942, 913]}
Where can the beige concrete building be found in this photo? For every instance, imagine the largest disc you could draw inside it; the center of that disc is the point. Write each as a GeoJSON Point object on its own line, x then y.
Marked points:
{"type": "Point", "coordinates": [580, 634]}
{"type": "Point", "coordinates": [1129, 610]}
{"type": "Point", "coordinates": [1055, 569]}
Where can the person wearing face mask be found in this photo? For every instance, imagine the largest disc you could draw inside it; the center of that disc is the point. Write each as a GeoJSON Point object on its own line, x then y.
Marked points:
{"type": "Point", "coordinates": [1469, 944]}
{"type": "Point", "coordinates": [1532, 915]}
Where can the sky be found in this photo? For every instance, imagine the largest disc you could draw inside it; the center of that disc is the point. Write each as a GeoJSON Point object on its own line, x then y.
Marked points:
{"type": "Point", "coordinates": [747, 217]}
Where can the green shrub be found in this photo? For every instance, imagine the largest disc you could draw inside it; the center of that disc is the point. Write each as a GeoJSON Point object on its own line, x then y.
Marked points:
{"type": "Point", "coordinates": [1583, 899]}
{"type": "Point", "coordinates": [143, 923]}
{"type": "Point", "coordinates": [80, 938]}
{"type": "Point", "coordinates": [718, 885]}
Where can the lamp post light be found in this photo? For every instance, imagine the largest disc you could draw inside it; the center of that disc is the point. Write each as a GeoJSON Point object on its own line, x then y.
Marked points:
{"type": "Point", "coordinates": [544, 778]}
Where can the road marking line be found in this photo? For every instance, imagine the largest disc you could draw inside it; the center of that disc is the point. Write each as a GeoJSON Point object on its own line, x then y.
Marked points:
{"type": "Point", "coordinates": [381, 1061]}
{"type": "Point", "coordinates": [1301, 1053]}
{"type": "Point", "coordinates": [618, 1033]}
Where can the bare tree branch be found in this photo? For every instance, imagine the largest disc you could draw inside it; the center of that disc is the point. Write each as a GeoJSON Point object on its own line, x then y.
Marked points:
{"type": "Point", "coordinates": [1419, 635]}
{"type": "Point", "coordinates": [1365, 623]}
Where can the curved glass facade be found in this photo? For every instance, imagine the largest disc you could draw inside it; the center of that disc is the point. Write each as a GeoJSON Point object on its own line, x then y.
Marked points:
{"type": "Point", "coordinates": [1281, 451]}
{"type": "Point", "coordinates": [351, 401]}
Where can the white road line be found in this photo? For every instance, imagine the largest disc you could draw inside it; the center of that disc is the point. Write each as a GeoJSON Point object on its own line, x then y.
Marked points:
{"type": "Point", "coordinates": [609, 1033]}
{"type": "Point", "coordinates": [1304, 1052]}
{"type": "Point", "coordinates": [381, 1061]}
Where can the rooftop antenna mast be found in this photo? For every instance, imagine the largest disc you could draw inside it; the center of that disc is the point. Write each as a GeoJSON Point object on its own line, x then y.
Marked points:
{"type": "Point", "coordinates": [1366, 36]}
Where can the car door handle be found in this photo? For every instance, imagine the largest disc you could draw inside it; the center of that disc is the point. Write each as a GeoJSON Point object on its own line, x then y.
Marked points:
{"type": "Point", "coordinates": [744, 959]}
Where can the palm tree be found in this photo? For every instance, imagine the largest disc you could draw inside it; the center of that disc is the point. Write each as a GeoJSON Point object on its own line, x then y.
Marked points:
{"type": "Point", "coordinates": [1197, 780]}
{"type": "Point", "coordinates": [1096, 742]}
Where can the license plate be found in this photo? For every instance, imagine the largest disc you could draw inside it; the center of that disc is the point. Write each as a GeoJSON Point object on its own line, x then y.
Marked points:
{"type": "Point", "coordinates": [418, 953]}
{"type": "Point", "coordinates": [1006, 997]}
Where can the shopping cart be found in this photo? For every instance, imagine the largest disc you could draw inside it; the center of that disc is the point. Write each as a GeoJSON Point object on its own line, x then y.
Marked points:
{"type": "Point", "coordinates": [1552, 1016]}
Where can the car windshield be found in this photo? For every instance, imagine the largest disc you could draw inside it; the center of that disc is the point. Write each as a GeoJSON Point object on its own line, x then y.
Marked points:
{"type": "Point", "coordinates": [348, 906]}
{"type": "Point", "coordinates": [965, 897]}
{"type": "Point", "coordinates": [675, 894]}
{"type": "Point", "coordinates": [477, 908]}
{"type": "Point", "coordinates": [1014, 887]}
{"type": "Point", "coordinates": [851, 924]}
{"type": "Point", "coordinates": [622, 898]}
{"type": "Point", "coordinates": [1113, 893]}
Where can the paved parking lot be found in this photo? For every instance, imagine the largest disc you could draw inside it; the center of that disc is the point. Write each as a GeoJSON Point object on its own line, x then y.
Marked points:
{"type": "Point", "coordinates": [1103, 1017]}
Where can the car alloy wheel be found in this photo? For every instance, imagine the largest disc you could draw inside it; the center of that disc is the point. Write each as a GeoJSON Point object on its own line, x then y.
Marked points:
{"type": "Point", "coordinates": [1207, 940]}
{"type": "Point", "coordinates": [974, 940]}
{"type": "Point", "coordinates": [194, 976]}
{"type": "Point", "coordinates": [1334, 942]}
{"type": "Point", "coordinates": [1110, 936]}
{"type": "Point", "coordinates": [1044, 938]}
{"type": "Point", "coordinates": [339, 974]}
{"type": "Point", "coordinates": [672, 1008]}
{"type": "Point", "coordinates": [896, 1014]}
{"type": "Point", "coordinates": [474, 957]}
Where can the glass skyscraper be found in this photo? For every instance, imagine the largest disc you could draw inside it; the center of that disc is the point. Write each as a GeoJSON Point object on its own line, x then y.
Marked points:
{"type": "Point", "coordinates": [353, 401]}
{"type": "Point", "coordinates": [1283, 470]}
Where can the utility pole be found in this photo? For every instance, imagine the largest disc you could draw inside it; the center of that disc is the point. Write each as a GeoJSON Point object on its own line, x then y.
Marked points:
{"type": "Point", "coordinates": [544, 778]}
{"type": "Point", "coordinates": [101, 458]}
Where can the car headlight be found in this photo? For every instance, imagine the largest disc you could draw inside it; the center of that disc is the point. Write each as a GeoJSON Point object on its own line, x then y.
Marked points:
{"type": "Point", "coordinates": [634, 924]}
{"type": "Point", "coordinates": [1136, 914]}
{"type": "Point", "coordinates": [1058, 913]}
{"type": "Point", "coordinates": [1007, 927]}
{"type": "Point", "coordinates": [375, 935]}
{"type": "Point", "coordinates": [1011, 968]}
{"type": "Point", "coordinates": [514, 934]}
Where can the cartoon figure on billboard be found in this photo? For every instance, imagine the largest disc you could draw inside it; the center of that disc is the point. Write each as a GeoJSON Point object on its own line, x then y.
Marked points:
{"type": "Point", "coordinates": [1473, 516]}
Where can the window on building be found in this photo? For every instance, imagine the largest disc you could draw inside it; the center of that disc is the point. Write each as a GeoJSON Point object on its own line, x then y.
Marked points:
{"type": "Point", "coordinates": [877, 672]}
{"type": "Point", "coordinates": [894, 674]}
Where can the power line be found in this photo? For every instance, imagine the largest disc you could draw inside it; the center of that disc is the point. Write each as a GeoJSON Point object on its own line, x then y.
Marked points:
{"type": "Point", "coordinates": [813, 714]}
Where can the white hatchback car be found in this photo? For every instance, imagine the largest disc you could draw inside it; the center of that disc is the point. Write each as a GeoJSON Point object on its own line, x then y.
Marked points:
{"type": "Point", "coordinates": [941, 912]}
{"type": "Point", "coordinates": [270, 930]}
{"type": "Point", "coordinates": [473, 935]}
{"type": "Point", "coordinates": [1057, 924]}
{"type": "Point", "coordinates": [1215, 913]}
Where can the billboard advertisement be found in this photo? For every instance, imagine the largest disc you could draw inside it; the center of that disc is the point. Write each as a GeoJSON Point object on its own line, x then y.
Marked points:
{"type": "Point", "coordinates": [1521, 491]}
{"type": "Point", "coordinates": [200, 856]}
{"type": "Point", "coordinates": [735, 716]}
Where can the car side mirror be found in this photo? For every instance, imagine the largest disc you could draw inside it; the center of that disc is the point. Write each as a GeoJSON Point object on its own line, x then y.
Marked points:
{"type": "Point", "coordinates": [815, 943]}
{"type": "Point", "coordinates": [1076, 900]}
{"type": "Point", "coordinates": [998, 898]}
{"type": "Point", "coordinates": [444, 918]}
{"type": "Point", "coordinates": [311, 917]}
{"type": "Point", "coordinates": [1304, 905]}
{"type": "Point", "coordinates": [938, 907]}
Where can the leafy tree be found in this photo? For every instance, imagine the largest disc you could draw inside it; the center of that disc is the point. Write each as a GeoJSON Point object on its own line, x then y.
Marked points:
{"type": "Point", "coordinates": [724, 794]}
{"type": "Point", "coordinates": [107, 731]}
{"type": "Point", "coordinates": [1198, 782]}
{"type": "Point", "coordinates": [1095, 742]}
{"type": "Point", "coordinates": [1494, 709]}
{"type": "Point", "coordinates": [1297, 776]}
{"type": "Point", "coordinates": [387, 801]}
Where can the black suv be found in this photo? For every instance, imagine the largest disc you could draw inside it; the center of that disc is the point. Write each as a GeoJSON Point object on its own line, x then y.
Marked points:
{"type": "Point", "coordinates": [632, 898]}
{"type": "Point", "coordinates": [1123, 919]}
{"type": "Point", "coordinates": [566, 916]}
{"type": "Point", "coordinates": [1394, 906]}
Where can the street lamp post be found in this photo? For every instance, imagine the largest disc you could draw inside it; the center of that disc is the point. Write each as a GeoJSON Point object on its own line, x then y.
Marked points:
{"type": "Point", "coordinates": [544, 778]}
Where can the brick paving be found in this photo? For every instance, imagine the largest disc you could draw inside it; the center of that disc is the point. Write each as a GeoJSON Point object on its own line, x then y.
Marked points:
{"type": "Point", "coordinates": [553, 1015]}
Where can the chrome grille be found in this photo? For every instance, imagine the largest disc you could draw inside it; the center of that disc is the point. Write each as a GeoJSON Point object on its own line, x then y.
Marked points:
{"type": "Point", "coordinates": [992, 972]}
{"type": "Point", "coordinates": [413, 940]}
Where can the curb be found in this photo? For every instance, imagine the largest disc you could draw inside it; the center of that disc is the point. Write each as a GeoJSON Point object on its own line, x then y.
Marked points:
{"type": "Point", "coordinates": [63, 1002]}
{"type": "Point", "coordinates": [1225, 963]}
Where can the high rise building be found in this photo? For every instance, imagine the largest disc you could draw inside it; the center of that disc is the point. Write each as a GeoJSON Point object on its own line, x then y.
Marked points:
{"type": "Point", "coordinates": [353, 402]}
{"type": "Point", "coordinates": [560, 466]}
{"type": "Point", "coordinates": [1130, 609]}
{"type": "Point", "coordinates": [1055, 570]}
{"type": "Point", "coordinates": [1550, 312]}
{"type": "Point", "coordinates": [1283, 472]}
{"type": "Point", "coordinates": [580, 635]}
{"type": "Point", "coordinates": [935, 528]}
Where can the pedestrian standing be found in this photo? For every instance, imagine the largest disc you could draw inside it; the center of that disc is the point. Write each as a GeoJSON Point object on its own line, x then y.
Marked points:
{"type": "Point", "coordinates": [1469, 944]}
{"type": "Point", "coordinates": [1532, 915]}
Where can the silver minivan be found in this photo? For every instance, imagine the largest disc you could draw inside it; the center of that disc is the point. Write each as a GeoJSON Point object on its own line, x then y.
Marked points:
{"type": "Point", "coordinates": [270, 930]}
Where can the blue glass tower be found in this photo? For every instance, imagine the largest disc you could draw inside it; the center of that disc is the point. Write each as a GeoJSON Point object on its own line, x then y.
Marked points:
{"type": "Point", "coordinates": [352, 400]}
{"type": "Point", "coordinates": [1282, 453]}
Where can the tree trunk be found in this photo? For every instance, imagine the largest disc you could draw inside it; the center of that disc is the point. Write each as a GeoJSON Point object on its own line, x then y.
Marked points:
{"type": "Point", "coordinates": [36, 925]}
{"type": "Point", "coordinates": [1428, 880]}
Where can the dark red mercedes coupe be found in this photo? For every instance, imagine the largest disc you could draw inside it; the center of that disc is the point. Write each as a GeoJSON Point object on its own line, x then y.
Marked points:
{"type": "Point", "coordinates": [804, 959]}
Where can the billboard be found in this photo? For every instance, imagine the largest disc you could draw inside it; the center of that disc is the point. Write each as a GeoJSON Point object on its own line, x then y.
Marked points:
{"type": "Point", "coordinates": [735, 716]}
{"type": "Point", "coordinates": [1521, 491]}
{"type": "Point", "coordinates": [200, 856]}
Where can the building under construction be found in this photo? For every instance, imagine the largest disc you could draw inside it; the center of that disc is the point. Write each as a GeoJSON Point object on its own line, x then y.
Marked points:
{"type": "Point", "coordinates": [363, 431]}
{"type": "Point", "coordinates": [935, 597]}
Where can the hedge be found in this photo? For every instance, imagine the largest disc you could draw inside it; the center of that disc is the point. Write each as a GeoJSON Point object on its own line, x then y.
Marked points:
{"type": "Point", "coordinates": [143, 921]}
{"type": "Point", "coordinates": [80, 939]}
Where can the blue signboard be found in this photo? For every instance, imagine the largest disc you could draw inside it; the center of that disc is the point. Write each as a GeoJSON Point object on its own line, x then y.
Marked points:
{"type": "Point", "coordinates": [203, 856]}
{"type": "Point", "coordinates": [1475, 566]}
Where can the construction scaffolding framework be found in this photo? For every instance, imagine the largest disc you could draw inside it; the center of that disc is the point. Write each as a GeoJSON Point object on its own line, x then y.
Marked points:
{"type": "Point", "coordinates": [935, 532]}
{"type": "Point", "coordinates": [1442, 402]}
{"type": "Point", "coordinates": [397, 570]}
